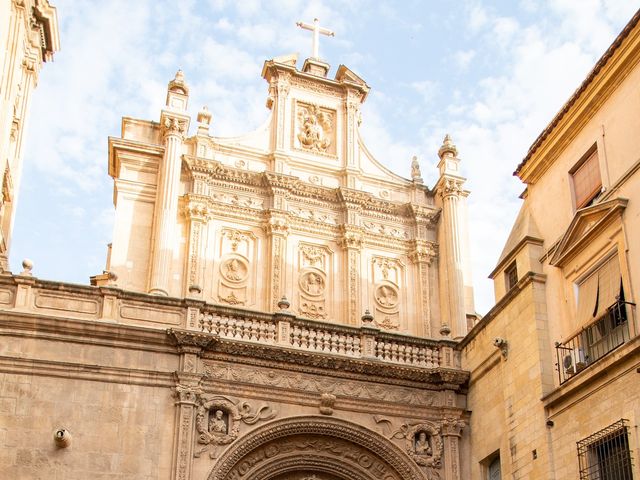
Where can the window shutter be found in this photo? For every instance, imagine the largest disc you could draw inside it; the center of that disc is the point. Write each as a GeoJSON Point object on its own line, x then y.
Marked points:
{"type": "Point", "coordinates": [586, 180]}
{"type": "Point", "coordinates": [587, 299]}
{"type": "Point", "coordinates": [608, 285]}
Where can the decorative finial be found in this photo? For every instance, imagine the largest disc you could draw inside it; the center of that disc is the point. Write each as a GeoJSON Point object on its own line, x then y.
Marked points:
{"type": "Point", "coordinates": [317, 30]}
{"type": "Point", "coordinates": [204, 116]}
{"type": "Point", "coordinates": [448, 148]}
{"type": "Point", "coordinates": [178, 83]}
{"type": "Point", "coordinates": [445, 331]}
{"type": "Point", "coordinates": [416, 176]}
{"type": "Point", "coordinates": [367, 318]}
{"type": "Point", "coordinates": [284, 304]}
{"type": "Point", "coordinates": [27, 266]}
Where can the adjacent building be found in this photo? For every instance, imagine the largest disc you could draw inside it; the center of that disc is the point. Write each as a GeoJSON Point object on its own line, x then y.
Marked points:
{"type": "Point", "coordinates": [554, 390]}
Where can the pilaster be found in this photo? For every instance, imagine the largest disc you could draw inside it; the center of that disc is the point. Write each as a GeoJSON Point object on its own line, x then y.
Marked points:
{"type": "Point", "coordinates": [196, 214]}
{"type": "Point", "coordinates": [451, 432]}
{"type": "Point", "coordinates": [188, 388]}
{"type": "Point", "coordinates": [421, 255]}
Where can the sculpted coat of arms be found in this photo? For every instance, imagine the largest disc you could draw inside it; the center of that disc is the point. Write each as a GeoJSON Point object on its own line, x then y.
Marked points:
{"type": "Point", "coordinates": [315, 128]}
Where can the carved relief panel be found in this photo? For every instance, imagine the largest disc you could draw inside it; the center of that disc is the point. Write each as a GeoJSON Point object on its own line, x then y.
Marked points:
{"type": "Point", "coordinates": [236, 267]}
{"type": "Point", "coordinates": [314, 129]}
{"type": "Point", "coordinates": [314, 263]}
{"type": "Point", "coordinates": [387, 282]}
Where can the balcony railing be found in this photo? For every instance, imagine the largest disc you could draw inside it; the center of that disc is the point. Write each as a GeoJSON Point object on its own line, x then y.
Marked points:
{"type": "Point", "coordinates": [325, 338]}
{"type": "Point", "coordinates": [595, 340]}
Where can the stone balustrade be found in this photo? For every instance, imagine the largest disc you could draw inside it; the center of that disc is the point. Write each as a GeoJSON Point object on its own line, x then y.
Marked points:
{"type": "Point", "coordinates": [28, 294]}
{"type": "Point", "coordinates": [302, 334]}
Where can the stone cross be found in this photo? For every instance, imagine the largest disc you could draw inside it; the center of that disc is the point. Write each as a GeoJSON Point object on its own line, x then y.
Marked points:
{"type": "Point", "coordinates": [317, 30]}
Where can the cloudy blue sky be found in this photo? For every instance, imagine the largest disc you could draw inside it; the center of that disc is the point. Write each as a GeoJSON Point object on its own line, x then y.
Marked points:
{"type": "Point", "coordinates": [491, 73]}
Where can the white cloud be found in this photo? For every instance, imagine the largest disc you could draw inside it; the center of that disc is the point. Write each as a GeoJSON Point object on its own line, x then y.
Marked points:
{"type": "Point", "coordinates": [463, 58]}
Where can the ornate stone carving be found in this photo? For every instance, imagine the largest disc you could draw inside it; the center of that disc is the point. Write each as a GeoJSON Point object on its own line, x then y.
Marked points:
{"type": "Point", "coordinates": [234, 269]}
{"type": "Point", "coordinates": [235, 237]}
{"type": "Point", "coordinates": [314, 128]}
{"type": "Point", "coordinates": [312, 255]}
{"type": "Point", "coordinates": [218, 419]}
{"type": "Point", "coordinates": [453, 426]}
{"type": "Point", "coordinates": [174, 126]}
{"type": "Point", "coordinates": [299, 443]}
{"type": "Point", "coordinates": [381, 229]}
{"type": "Point", "coordinates": [451, 188]}
{"type": "Point", "coordinates": [327, 402]}
{"type": "Point", "coordinates": [188, 339]}
{"type": "Point", "coordinates": [387, 296]}
{"type": "Point", "coordinates": [423, 440]}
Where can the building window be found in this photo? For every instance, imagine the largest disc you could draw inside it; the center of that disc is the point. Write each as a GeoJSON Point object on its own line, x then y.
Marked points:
{"type": "Point", "coordinates": [511, 276]}
{"type": "Point", "coordinates": [602, 313]}
{"type": "Point", "coordinates": [493, 471]}
{"type": "Point", "coordinates": [586, 179]}
{"type": "Point", "coordinates": [605, 455]}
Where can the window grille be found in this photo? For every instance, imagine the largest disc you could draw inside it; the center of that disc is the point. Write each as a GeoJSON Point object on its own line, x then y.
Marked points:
{"type": "Point", "coordinates": [511, 276]}
{"type": "Point", "coordinates": [605, 455]}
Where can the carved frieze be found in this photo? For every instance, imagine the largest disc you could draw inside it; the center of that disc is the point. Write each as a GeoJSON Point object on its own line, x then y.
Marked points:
{"type": "Point", "coordinates": [298, 381]}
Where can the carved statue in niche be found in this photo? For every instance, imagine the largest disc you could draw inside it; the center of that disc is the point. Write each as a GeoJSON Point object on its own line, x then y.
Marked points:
{"type": "Point", "coordinates": [314, 128]}
{"type": "Point", "coordinates": [423, 444]}
{"type": "Point", "coordinates": [218, 420]}
{"type": "Point", "coordinates": [217, 424]}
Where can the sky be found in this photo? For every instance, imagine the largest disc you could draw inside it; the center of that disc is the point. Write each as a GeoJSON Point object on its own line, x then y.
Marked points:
{"type": "Point", "coordinates": [490, 73]}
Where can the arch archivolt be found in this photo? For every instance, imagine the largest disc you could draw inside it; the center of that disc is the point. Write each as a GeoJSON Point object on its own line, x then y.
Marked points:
{"type": "Point", "coordinates": [328, 448]}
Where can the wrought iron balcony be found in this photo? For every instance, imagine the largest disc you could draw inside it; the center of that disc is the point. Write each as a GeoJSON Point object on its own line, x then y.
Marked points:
{"type": "Point", "coordinates": [596, 340]}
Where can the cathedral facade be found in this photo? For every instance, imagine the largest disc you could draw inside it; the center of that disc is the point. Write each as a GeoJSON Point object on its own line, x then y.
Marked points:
{"type": "Point", "coordinates": [280, 306]}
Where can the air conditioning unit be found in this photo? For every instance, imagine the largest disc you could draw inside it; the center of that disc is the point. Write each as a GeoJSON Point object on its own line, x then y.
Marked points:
{"type": "Point", "coordinates": [574, 361]}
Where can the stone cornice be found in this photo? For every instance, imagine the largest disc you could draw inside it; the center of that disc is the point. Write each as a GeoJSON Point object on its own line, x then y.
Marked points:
{"type": "Point", "coordinates": [434, 377]}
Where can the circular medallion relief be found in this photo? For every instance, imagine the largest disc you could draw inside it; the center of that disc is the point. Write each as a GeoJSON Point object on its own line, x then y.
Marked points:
{"type": "Point", "coordinates": [387, 296]}
{"type": "Point", "coordinates": [234, 269]}
{"type": "Point", "coordinates": [312, 283]}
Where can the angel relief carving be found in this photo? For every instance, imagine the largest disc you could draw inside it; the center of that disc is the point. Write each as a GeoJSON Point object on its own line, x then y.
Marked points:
{"type": "Point", "coordinates": [315, 128]}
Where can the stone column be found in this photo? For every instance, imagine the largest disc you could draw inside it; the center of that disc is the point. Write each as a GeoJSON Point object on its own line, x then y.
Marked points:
{"type": "Point", "coordinates": [187, 391]}
{"type": "Point", "coordinates": [352, 104]}
{"type": "Point", "coordinates": [450, 188]}
{"type": "Point", "coordinates": [451, 432]}
{"type": "Point", "coordinates": [174, 123]}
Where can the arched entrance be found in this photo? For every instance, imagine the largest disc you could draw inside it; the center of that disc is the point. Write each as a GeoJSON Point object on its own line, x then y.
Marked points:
{"type": "Point", "coordinates": [314, 448]}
